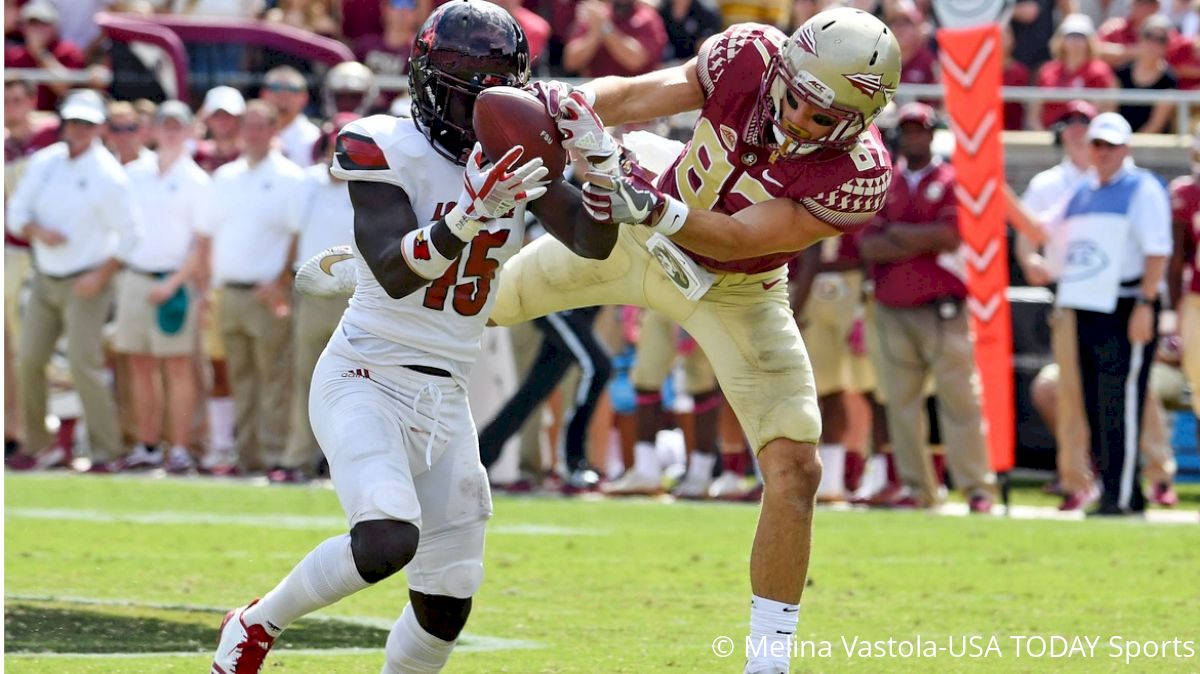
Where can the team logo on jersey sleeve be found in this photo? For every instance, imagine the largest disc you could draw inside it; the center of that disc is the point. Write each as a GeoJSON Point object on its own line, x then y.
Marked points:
{"type": "Point", "coordinates": [421, 247]}
{"type": "Point", "coordinates": [356, 152]}
{"type": "Point", "coordinates": [869, 83]}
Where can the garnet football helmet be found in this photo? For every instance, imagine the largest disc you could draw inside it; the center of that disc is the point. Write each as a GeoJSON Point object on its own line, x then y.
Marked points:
{"type": "Point", "coordinates": [348, 87]}
{"type": "Point", "coordinates": [844, 61]}
{"type": "Point", "coordinates": [464, 47]}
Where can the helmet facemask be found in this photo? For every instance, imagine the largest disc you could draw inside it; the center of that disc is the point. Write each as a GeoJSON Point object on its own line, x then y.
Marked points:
{"type": "Point", "coordinates": [781, 92]}
{"type": "Point", "coordinates": [444, 105]}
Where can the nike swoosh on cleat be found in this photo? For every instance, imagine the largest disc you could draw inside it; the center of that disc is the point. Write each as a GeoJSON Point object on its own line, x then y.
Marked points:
{"type": "Point", "coordinates": [768, 286]}
{"type": "Point", "coordinates": [328, 261]}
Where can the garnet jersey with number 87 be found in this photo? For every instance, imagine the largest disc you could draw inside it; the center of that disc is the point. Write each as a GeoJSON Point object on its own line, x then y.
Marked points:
{"type": "Point", "coordinates": [720, 171]}
{"type": "Point", "coordinates": [446, 318]}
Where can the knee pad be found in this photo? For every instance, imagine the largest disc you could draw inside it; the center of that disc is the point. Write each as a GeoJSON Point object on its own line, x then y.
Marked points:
{"type": "Point", "coordinates": [450, 564]}
{"type": "Point", "coordinates": [382, 547]}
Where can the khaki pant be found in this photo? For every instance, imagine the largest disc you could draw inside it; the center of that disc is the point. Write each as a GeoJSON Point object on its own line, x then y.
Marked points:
{"type": "Point", "coordinates": [915, 343]}
{"type": "Point", "coordinates": [833, 306]}
{"type": "Point", "coordinates": [258, 357]}
{"type": "Point", "coordinates": [1189, 332]}
{"type": "Point", "coordinates": [657, 348]}
{"type": "Point", "coordinates": [316, 319]}
{"type": "Point", "coordinates": [54, 307]}
{"type": "Point", "coordinates": [1071, 435]}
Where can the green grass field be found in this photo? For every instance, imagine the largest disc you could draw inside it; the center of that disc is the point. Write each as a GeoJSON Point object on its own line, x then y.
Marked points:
{"type": "Point", "coordinates": [133, 575]}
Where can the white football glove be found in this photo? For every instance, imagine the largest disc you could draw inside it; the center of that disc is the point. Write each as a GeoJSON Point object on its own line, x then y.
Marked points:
{"type": "Point", "coordinates": [581, 128]}
{"type": "Point", "coordinates": [492, 191]}
{"type": "Point", "coordinates": [330, 273]}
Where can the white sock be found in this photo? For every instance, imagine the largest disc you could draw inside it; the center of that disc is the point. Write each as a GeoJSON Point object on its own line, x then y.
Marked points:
{"type": "Point", "coordinates": [326, 575]}
{"type": "Point", "coordinates": [772, 630]}
{"type": "Point", "coordinates": [645, 459]}
{"type": "Point", "coordinates": [412, 650]}
{"type": "Point", "coordinates": [221, 417]}
{"type": "Point", "coordinates": [833, 471]}
{"type": "Point", "coordinates": [701, 465]}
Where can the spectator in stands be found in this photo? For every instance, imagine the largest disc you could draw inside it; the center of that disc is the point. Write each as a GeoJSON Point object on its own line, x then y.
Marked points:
{"type": "Point", "coordinates": [614, 37]}
{"type": "Point", "coordinates": [1114, 239]}
{"type": "Point", "coordinates": [922, 322]}
{"type": "Point", "coordinates": [123, 133]}
{"type": "Point", "coordinates": [315, 16]}
{"type": "Point", "coordinates": [211, 64]}
{"type": "Point", "coordinates": [1016, 74]}
{"type": "Point", "coordinates": [222, 116]}
{"type": "Point", "coordinates": [326, 220]}
{"type": "Point", "coordinates": [157, 297]}
{"type": "Point", "coordinates": [286, 89]}
{"type": "Point", "coordinates": [76, 206]}
{"type": "Point", "coordinates": [1184, 57]}
{"type": "Point", "coordinates": [1149, 71]}
{"type": "Point", "coordinates": [537, 29]}
{"type": "Point", "coordinates": [249, 235]}
{"type": "Point", "coordinates": [918, 62]}
{"type": "Point", "coordinates": [802, 10]}
{"type": "Point", "coordinates": [1076, 65]}
{"type": "Point", "coordinates": [42, 47]}
{"type": "Point", "coordinates": [1119, 36]}
{"type": "Point", "coordinates": [387, 53]}
{"type": "Point", "coordinates": [688, 24]}
{"type": "Point", "coordinates": [1033, 23]}
{"type": "Point", "coordinates": [1046, 194]}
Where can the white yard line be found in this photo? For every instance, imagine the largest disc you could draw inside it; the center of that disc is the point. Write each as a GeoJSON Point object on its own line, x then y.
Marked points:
{"type": "Point", "coordinates": [276, 520]}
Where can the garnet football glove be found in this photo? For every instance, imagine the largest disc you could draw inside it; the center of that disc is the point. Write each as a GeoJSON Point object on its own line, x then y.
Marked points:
{"type": "Point", "coordinates": [494, 190]}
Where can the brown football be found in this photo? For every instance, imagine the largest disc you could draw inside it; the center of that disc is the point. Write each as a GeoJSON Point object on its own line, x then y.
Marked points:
{"type": "Point", "coordinates": [506, 116]}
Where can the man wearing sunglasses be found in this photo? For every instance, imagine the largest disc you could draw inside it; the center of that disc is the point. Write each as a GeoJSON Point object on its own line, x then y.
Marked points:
{"type": "Point", "coordinates": [286, 89]}
{"type": "Point", "coordinates": [1109, 245]}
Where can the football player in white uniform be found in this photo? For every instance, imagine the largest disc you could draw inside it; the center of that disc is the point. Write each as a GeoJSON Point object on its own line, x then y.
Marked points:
{"type": "Point", "coordinates": [388, 402]}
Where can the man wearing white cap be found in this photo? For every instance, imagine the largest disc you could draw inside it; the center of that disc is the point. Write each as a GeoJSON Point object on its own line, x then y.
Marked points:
{"type": "Point", "coordinates": [222, 115]}
{"type": "Point", "coordinates": [157, 301]}
{"type": "Point", "coordinates": [1109, 248]}
{"type": "Point", "coordinates": [76, 206]}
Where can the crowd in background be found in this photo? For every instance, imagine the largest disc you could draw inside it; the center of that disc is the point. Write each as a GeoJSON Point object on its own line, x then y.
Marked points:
{"type": "Point", "coordinates": [204, 363]}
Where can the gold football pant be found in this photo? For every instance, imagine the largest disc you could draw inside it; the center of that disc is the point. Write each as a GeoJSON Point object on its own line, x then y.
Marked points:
{"type": "Point", "coordinates": [744, 324]}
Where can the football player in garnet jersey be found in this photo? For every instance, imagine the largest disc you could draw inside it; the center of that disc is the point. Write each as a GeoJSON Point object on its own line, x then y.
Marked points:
{"type": "Point", "coordinates": [783, 154]}
{"type": "Point", "coordinates": [388, 403]}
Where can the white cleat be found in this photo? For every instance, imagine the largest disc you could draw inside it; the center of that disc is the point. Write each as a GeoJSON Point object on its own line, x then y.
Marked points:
{"type": "Point", "coordinates": [633, 483]}
{"type": "Point", "coordinates": [694, 487]}
{"type": "Point", "coordinates": [141, 458]}
{"type": "Point", "coordinates": [726, 486]}
{"type": "Point", "coordinates": [330, 273]}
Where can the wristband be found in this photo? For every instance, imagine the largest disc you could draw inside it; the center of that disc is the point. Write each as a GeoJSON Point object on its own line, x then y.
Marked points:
{"type": "Point", "coordinates": [673, 217]}
{"type": "Point", "coordinates": [461, 226]}
{"type": "Point", "coordinates": [422, 256]}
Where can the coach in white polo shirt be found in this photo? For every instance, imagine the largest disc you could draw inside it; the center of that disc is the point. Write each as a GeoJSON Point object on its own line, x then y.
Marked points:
{"type": "Point", "coordinates": [286, 89]}
{"type": "Point", "coordinates": [326, 220]}
{"type": "Point", "coordinates": [157, 302]}
{"type": "Point", "coordinates": [1109, 249]}
{"type": "Point", "coordinates": [250, 229]}
{"type": "Point", "coordinates": [76, 207]}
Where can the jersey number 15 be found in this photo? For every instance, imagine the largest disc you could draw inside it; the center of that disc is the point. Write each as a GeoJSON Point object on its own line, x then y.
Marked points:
{"type": "Point", "coordinates": [470, 296]}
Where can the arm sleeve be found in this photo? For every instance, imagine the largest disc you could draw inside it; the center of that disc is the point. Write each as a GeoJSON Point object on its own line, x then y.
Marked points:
{"type": "Point", "coordinates": [1152, 217]}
